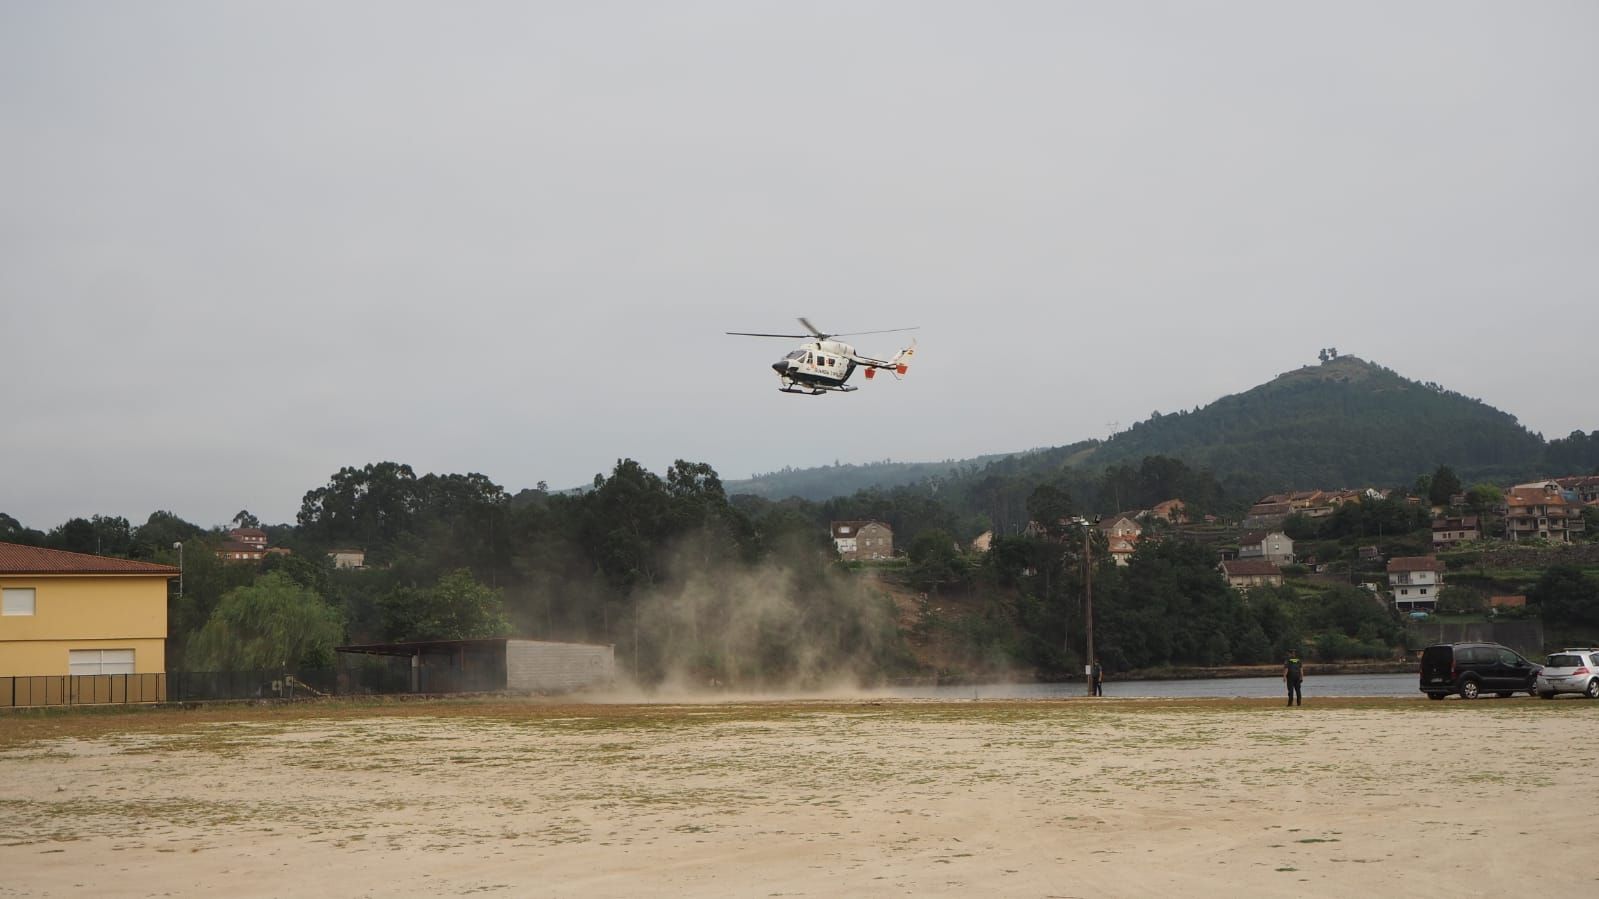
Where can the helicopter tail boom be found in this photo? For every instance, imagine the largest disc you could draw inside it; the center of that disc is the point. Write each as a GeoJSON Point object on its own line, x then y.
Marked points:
{"type": "Point", "coordinates": [899, 365]}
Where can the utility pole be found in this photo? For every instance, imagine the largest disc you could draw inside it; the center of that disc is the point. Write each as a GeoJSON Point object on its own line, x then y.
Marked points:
{"type": "Point", "coordinates": [1088, 607]}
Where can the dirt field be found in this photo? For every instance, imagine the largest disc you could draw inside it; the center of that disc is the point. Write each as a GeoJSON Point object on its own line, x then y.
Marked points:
{"type": "Point", "coordinates": [1069, 798]}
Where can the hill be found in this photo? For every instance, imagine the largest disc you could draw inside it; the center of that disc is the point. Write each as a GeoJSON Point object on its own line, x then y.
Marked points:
{"type": "Point", "coordinates": [818, 484]}
{"type": "Point", "coordinates": [1346, 422]}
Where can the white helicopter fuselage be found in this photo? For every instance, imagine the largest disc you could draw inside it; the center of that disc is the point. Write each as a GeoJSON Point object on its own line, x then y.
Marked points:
{"type": "Point", "coordinates": [820, 363]}
{"type": "Point", "coordinates": [824, 364]}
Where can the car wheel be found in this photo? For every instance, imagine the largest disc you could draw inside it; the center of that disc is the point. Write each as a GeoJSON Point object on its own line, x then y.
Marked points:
{"type": "Point", "coordinates": [1469, 689]}
{"type": "Point", "coordinates": [1593, 689]}
{"type": "Point", "coordinates": [1435, 696]}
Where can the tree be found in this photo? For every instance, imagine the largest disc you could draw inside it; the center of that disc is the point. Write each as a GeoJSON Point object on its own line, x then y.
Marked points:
{"type": "Point", "coordinates": [935, 561]}
{"type": "Point", "coordinates": [455, 608]}
{"type": "Point", "coordinates": [1565, 595]}
{"type": "Point", "coordinates": [370, 506]}
{"type": "Point", "coordinates": [154, 538]}
{"type": "Point", "coordinates": [273, 623]}
{"type": "Point", "coordinates": [1483, 498]}
{"type": "Point", "coordinates": [74, 535]}
{"type": "Point", "coordinates": [1050, 507]}
{"type": "Point", "coordinates": [245, 520]}
{"type": "Point", "coordinates": [1443, 485]}
{"type": "Point", "coordinates": [12, 531]}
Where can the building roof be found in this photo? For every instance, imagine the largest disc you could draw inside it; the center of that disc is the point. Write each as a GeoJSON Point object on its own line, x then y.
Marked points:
{"type": "Point", "coordinates": [18, 559]}
{"type": "Point", "coordinates": [1534, 496]}
{"type": "Point", "coordinates": [237, 546]}
{"type": "Point", "coordinates": [855, 526]}
{"type": "Point", "coordinates": [1467, 523]}
{"type": "Point", "coordinates": [248, 532]}
{"type": "Point", "coordinates": [1254, 537]}
{"type": "Point", "coordinates": [1249, 567]}
{"type": "Point", "coordinates": [1264, 509]}
{"type": "Point", "coordinates": [1414, 563]}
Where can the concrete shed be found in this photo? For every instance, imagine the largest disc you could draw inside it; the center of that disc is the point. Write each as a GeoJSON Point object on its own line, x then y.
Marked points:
{"type": "Point", "coordinates": [483, 665]}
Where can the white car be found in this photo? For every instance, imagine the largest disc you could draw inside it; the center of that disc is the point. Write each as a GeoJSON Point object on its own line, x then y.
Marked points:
{"type": "Point", "coordinates": [1570, 671]}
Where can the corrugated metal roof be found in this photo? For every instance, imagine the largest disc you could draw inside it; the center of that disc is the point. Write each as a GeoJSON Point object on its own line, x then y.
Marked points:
{"type": "Point", "coordinates": [18, 559]}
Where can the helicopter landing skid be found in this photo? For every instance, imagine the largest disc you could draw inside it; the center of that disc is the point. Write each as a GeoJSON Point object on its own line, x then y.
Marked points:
{"type": "Point", "coordinates": [815, 390]}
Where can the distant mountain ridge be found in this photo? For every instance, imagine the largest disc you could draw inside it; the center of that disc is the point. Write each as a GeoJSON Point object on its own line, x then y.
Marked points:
{"type": "Point", "coordinates": [826, 482]}
{"type": "Point", "coordinates": [1343, 423]}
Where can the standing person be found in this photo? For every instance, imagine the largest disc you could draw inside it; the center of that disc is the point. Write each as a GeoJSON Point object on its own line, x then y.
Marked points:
{"type": "Point", "coordinates": [1098, 674]}
{"type": "Point", "coordinates": [1294, 676]}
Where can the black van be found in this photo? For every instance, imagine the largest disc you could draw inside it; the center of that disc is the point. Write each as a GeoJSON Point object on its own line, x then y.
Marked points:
{"type": "Point", "coordinates": [1472, 669]}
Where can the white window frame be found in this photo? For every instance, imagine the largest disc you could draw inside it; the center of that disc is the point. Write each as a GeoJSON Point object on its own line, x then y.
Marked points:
{"type": "Point", "coordinates": [100, 661]}
{"type": "Point", "coordinates": [19, 602]}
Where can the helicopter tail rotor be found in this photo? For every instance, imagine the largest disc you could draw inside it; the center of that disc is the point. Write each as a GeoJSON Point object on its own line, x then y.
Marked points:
{"type": "Point", "coordinates": [902, 360]}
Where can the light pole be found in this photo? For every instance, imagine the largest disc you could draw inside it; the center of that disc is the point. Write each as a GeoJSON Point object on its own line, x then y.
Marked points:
{"type": "Point", "coordinates": [179, 547]}
{"type": "Point", "coordinates": [1088, 607]}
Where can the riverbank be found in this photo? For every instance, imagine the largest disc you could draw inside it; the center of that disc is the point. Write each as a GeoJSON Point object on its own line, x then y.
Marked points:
{"type": "Point", "coordinates": [1031, 799]}
{"type": "Point", "coordinates": [1319, 669]}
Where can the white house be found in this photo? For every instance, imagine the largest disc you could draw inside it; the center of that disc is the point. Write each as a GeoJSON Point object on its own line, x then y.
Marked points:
{"type": "Point", "coordinates": [1414, 582]}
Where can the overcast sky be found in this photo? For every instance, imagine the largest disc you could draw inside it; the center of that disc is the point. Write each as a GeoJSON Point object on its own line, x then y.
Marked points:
{"type": "Point", "coordinates": [245, 244]}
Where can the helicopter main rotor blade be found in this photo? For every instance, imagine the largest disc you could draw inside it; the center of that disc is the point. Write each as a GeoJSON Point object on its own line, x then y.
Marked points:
{"type": "Point", "coordinates": [812, 328]}
{"type": "Point", "coordinates": [753, 334]}
{"type": "Point", "coordinates": [884, 331]}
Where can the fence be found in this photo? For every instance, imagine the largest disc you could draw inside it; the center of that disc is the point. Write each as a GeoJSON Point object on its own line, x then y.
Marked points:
{"type": "Point", "coordinates": [82, 689]}
{"type": "Point", "coordinates": [366, 676]}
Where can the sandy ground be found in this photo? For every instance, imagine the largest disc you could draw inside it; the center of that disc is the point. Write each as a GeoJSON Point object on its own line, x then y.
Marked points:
{"type": "Point", "coordinates": [1077, 798]}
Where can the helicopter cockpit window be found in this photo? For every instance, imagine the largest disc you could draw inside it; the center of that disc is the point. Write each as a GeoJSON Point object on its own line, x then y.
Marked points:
{"type": "Point", "coordinates": [797, 354]}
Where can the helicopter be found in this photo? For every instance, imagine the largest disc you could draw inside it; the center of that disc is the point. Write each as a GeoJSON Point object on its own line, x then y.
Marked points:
{"type": "Point", "coordinates": [823, 364]}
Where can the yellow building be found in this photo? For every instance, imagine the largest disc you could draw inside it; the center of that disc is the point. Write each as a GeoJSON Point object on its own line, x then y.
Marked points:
{"type": "Point", "coordinates": [67, 613]}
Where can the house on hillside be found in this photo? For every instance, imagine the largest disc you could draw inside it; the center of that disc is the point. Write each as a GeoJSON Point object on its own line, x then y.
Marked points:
{"type": "Point", "coordinates": [1414, 582]}
{"type": "Point", "coordinates": [253, 536]}
{"type": "Point", "coordinates": [348, 558]}
{"type": "Point", "coordinates": [1448, 532]}
{"type": "Point", "coordinates": [1542, 512]}
{"type": "Point", "coordinates": [1243, 574]}
{"type": "Point", "coordinates": [1121, 536]}
{"type": "Point", "coordinates": [1586, 489]}
{"type": "Point", "coordinates": [236, 551]}
{"type": "Point", "coordinates": [1273, 546]}
{"type": "Point", "coordinates": [1173, 510]}
{"type": "Point", "coordinates": [1268, 514]}
{"type": "Point", "coordinates": [65, 613]}
{"type": "Point", "coordinates": [863, 540]}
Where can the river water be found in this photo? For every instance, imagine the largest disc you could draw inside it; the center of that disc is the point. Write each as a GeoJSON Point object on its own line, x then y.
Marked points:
{"type": "Point", "coordinates": [1404, 685]}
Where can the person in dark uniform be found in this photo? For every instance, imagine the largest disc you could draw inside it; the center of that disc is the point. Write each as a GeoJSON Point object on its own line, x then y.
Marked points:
{"type": "Point", "coordinates": [1294, 677]}
{"type": "Point", "coordinates": [1098, 675]}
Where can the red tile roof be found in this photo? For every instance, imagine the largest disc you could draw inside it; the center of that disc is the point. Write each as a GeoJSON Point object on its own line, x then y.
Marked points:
{"type": "Point", "coordinates": [18, 559]}
{"type": "Point", "coordinates": [1414, 563]}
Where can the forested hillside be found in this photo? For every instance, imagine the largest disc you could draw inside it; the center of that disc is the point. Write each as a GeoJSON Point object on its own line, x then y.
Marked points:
{"type": "Point", "coordinates": [844, 479]}
{"type": "Point", "coordinates": [1343, 423]}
